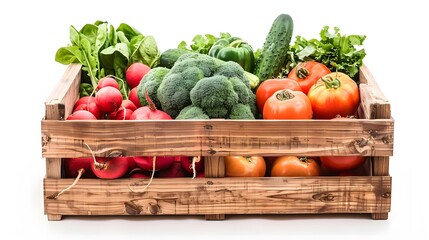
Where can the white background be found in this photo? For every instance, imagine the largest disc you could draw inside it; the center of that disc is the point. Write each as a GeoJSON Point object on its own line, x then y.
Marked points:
{"type": "Point", "coordinates": [31, 32]}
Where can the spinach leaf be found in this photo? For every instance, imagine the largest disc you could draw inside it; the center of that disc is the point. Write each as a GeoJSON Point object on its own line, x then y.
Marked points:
{"type": "Point", "coordinates": [128, 31]}
{"type": "Point", "coordinates": [145, 50]}
{"type": "Point", "coordinates": [68, 55]}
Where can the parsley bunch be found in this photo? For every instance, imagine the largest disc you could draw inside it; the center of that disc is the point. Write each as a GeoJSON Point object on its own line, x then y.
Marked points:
{"type": "Point", "coordinates": [338, 52]}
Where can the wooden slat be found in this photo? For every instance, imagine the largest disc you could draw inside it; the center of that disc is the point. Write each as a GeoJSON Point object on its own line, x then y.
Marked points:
{"type": "Point", "coordinates": [374, 104]}
{"type": "Point", "coordinates": [218, 138]}
{"type": "Point", "coordinates": [186, 196]}
{"type": "Point", "coordinates": [214, 167]}
{"type": "Point", "coordinates": [60, 102]}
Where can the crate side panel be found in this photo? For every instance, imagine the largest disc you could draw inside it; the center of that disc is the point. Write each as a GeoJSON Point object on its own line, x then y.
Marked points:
{"type": "Point", "coordinates": [220, 196]}
{"type": "Point", "coordinates": [217, 138]}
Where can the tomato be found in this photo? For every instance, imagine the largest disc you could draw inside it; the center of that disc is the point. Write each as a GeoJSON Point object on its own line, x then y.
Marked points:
{"type": "Point", "coordinates": [342, 163]}
{"type": "Point", "coordinates": [244, 166]}
{"type": "Point", "coordinates": [293, 166]}
{"type": "Point", "coordinates": [287, 104]}
{"type": "Point", "coordinates": [268, 87]}
{"type": "Point", "coordinates": [308, 73]}
{"type": "Point", "coordinates": [334, 94]}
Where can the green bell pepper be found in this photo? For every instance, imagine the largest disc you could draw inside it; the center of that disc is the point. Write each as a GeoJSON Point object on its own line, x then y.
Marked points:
{"type": "Point", "coordinates": [234, 49]}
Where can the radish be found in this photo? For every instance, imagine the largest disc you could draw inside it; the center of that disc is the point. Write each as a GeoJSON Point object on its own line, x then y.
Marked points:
{"type": "Point", "coordinates": [135, 73]}
{"type": "Point", "coordinates": [85, 99]}
{"type": "Point", "coordinates": [72, 166]}
{"type": "Point", "coordinates": [134, 97]}
{"type": "Point", "coordinates": [121, 114]}
{"type": "Point", "coordinates": [110, 167]}
{"type": "Point", "coordinates": [126, 103]}
{"type": "Point", "coordinates": [108, 99]}
{"type": "Point", "coordinates": [192, 163]}
{"type": "Point", "coordinates": [91, 107]}
{"type": "Point", "coordinates": [138, 173]}
{"type": "Point", "coordinates": [174, 171]}
{"type": "Point", "coordinates": [146, 162]}
{"type": "Point", "coordinates": [149, 112]}
{"type": "Point", "coordinates": [81, 115]}
{"type": "Point", "coordinates": [107, 81]}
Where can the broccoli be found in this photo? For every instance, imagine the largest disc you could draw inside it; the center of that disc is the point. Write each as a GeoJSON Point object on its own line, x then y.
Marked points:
{"type": "Point", "coordinates": [215, 95]}
{"type": "Point", "coordinates": [192, 112]}
{"type": "Point", "coordinates": [241, 111]}
{"type": "Point", "coordinates": [151, 82]}
{"type": "Point", "coordinates": [208, 83]}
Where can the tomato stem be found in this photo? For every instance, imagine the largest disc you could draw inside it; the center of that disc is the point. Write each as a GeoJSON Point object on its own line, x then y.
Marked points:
{"type": "Point", "coordinates": [301, 71]}
{"type": "Point", "coordinates": [331, 82]}
{"type": "Point", "coordinates": [284, 95]}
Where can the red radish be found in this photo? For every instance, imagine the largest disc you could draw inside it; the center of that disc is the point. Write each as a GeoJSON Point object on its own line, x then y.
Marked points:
{"type": "Point", "coordinates": [110, 167]}
{"type": "Point", "coordinates": [121, 114]}
{"type": "Point", "coordinates": [85, 99]}
{"type": "Point", "coordinates": [174, 171]}
{"type": "Point", "coordinates": [134, 97]}
{"type": "Point", "coordinates": [138, 173]}
{"type": "Point", "coordinates": [72, 166]}
{"type": "Point", "coordinates": [126, 103]}
{"type": "Point", "coordinates": [92, 107]}
{"type": "Point", "coordinates": [107, 81]}
{"type": "Point", "coordinates": [200, 174]}
{"type": "Point", "coordinates": [135, 73]}
{"type": "Point", "coordinates": [81, 115]}
{"type": "Point", "coordinates": [108, 99]}
{"type": "Point", "coordinates": [187, 164]}
{"type": "Point", "coordinates": [149, 112]}
{"type": "Point", "coordinates": [146, 162]}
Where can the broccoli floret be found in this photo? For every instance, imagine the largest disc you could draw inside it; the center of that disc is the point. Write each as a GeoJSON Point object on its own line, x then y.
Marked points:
{"type": "Point", "coordinates": [203, 81]}
{"type": "Point", "coordinates": [232, 69]}
{"type": "Point", "coordinates": [192, 112]}
{"type": "Point", "coordinates": [215, 95]}
{"type": "Point", "coordinates": [241, 111]}
{"type": "Point", "coordinates": [151, 82]}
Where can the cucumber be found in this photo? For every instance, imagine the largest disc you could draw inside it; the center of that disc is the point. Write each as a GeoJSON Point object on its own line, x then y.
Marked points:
{"type": "Point", "coordinates": [170, 56]}
{"type": "Point", "coordinates": [274, 51]}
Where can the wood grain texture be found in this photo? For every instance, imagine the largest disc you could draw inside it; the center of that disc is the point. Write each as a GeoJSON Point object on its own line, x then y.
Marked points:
{"type": "Point", "coordinates": [374, 104]}
{"type": "Point", "coordinates": [218, 138]}
{"type": "Point", "coordinates": [186, 196]}
{"type": "Point", "coordinates": [60, 102]}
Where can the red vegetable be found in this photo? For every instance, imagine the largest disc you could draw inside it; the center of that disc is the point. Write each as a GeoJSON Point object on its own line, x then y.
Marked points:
{"type": "Point", "coordinates": [287, 104]}
{"type": "Point", "coordinates": [146, 162]}
{"type": "Point", "coordinates": [81, 115]}
{"type": "Point", "coordinates": [307, 74]}
{"type": "Point", "coordinates": [108, 99]}
{"type": "Point", "coordinates": [268, 87]}
{"type": "Point", "coordinates": [149, 112]}
{"type": "Point", "coordinates": [110, 167]}
{"type": "Point", "coordinates": [107, 81]}
{"type": "Point", "coordinates": [135, 73]}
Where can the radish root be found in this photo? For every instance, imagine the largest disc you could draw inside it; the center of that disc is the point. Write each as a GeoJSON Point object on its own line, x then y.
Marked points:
{"type": "Point", "coordinates": [194, 160]}
{"type": "Point", "coordinates": [56, 195]}
{"type": "Point", "coordinates": [151, 177]}
{"type": "Point", "coordinates": [96, 164]}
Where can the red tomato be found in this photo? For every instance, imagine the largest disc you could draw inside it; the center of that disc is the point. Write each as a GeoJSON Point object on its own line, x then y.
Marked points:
{"type": "Point", "coordinates": [342, 163]}
{"type": "Point", "coordinates": [287, 104]}
{"type": "Point", "coordinates": [334, 94]}
{"type": "Point", "coordinates": [293, 166]}
{"type": "Point", "coordinates": [244, 166]}
{"type": "Point", "coordinates": [268, 87]}
{"type": "Point", "coordinates": [307, 74]}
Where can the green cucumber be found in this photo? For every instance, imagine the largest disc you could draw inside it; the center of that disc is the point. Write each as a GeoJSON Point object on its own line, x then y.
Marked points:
{"type": "Point", "coordinates": [274, 51]}
{"type": "Point", "coordinates": [170, 56]}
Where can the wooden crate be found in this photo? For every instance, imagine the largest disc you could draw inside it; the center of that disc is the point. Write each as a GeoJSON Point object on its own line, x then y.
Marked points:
{"type": "Point", "coordinates": [216, 195]}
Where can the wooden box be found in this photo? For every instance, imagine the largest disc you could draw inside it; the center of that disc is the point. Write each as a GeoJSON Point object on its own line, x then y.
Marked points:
{"type": "Point", "coordinates": [215, 195]}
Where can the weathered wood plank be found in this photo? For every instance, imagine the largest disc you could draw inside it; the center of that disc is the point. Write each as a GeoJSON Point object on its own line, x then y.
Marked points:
{"type": "Point", "coordinates": [214, 167]}
{"type": "Point", "coordinates": [186, 196]}
{"type": "Point", "coordinates": [60, 102]}
{"type": "Point", "coordinates": [374, 104]}
{"type": "Point", "coordinates": [218, 138]}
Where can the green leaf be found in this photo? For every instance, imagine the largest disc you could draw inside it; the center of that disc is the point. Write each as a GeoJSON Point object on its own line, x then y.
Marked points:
{"type": "Point", "coordinates": [122, 38]}
{"type": "Point", "coordinates": [68, 55]}
{"type": "Point", "coordinates": [113, 37]}
{"type": "Point", "coordinates": [108, 55]}
{"type": "Point", "coordinates": [128, 31]}
{"type": "Point", "coordinates": [145, 50]}
{"type": "Point", "coordinates": [74, 36]}
{"type": "Point", "coordinates": [89, 31]}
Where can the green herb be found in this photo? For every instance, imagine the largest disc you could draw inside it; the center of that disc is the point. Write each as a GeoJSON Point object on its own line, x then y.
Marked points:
{"type": "Point", "coordinates": [338, 52]}
{"type": "Point", "coordinates": [202, 44]}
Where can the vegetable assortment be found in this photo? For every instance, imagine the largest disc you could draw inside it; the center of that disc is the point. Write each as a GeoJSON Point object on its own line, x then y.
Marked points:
{"type": "Point", "coordinates": [126, 77]}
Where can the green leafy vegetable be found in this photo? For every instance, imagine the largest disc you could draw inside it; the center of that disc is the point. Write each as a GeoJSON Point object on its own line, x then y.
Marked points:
{"type": "Point", "coordinates": [103, 50]}
{"type": "Point", "coordinates": [338, 52]}
{"type": "Point", "coordinates": [202, 44]}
